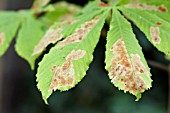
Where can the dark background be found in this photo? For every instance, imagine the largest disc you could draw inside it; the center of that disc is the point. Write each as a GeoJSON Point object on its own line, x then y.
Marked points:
{"type": "Point", "coordinates": [94, 94]}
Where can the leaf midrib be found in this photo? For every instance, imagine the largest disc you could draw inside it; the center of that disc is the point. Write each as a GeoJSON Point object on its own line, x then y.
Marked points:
{"type": "Point", "coordinates": [122, 34]}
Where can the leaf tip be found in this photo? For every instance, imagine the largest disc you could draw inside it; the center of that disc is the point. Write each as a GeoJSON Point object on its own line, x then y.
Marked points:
{"type": "Point", "coordinates": [126, 70]}
{"type": "Point", "coordinates": [138, 96]}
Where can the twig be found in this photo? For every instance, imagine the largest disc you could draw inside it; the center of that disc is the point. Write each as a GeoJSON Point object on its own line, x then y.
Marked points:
{"type": "Point", "coordinates": [169, 88]}
{"type": "Point", "coordinates": [1, 77]}
{"type": "Point", "coordinates": [158, 65]}
{"type": "Point", "coordinates": [164, 68]}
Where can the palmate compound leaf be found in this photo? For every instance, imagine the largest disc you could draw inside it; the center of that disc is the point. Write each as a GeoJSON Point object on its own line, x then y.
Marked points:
{"type": "Point", "coordinates": [63, 29]}
{"type": "Point", "coordinates": [125, 62]}
{"type": "Point", "coordinates": [66, 63]}
{"type": "Point", "coordinates": [155, 28]}
{"type": "Point", "coordinates": [29, 35]}
{"type": "Point", "coordinates": [9, 23]}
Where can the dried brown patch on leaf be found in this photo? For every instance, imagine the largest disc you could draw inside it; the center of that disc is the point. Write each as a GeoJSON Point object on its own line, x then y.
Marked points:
{"type": "Point", "coordinates": [159, 23]}
{"type": "Point", "coordinates": [80, 33]}
{"type": "Point", "coordinates": [162, 9]}
{"type": "Point", "coordinates": [144, 6]}
{"type": "Point", "coordinates": [127, 71]}
{"type": "Point", "coordinates": [2, 38]}
{"type": "Point", "coordinates": [52, 36]}
{"type": "Point", "coordinates": [53, 68]}
{"type": "Point", "coordinates": [138, 66]}
{"type": "Point", "coordinates": [64, 75]}
{"type": "Point", "coordinates": [155, 32]}
{"type": "Point", "coordinates": [103, 4]}
{"type": "Point", "coordinates": [66, 16]}
{"type": "Point", "coordinates": [75, 55]}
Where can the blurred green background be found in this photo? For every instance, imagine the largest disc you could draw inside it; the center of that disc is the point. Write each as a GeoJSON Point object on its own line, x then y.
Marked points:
{"type": "Point", "coordinates": [94, 94]}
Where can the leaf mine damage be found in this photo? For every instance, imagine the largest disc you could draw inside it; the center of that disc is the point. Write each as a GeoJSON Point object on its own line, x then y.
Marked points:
{"type": "Point", "coordinates": [154, 33]}
{"type": "Point", "coordinates": [127, 70]}
{"type": "Point", "coordinates": [80, 33]}
{"type": "Point", "coordinates": [144, 6]}
{"type": "Point", "coordinates": [64, 75]}
{"type": "Point", "coordinates": [52, 36]}
{"type": "Point", "coordinates": [2, 38]}
{"type": "Point", "coordinates": [103, 4]}
{"type": "Point", "coordinates": [159, 23]}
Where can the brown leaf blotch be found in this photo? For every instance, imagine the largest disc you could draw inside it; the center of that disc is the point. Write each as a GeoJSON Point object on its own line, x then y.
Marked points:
{"type": "Point", "coordinates": [120, 59]}
{"type": "Point", "coordinates": [2, 38]}
{"type": "Point", "coordinates": [144, 6]}
{"type": "Point", "coordinates": [159, 23]}
{"type": "Point", "coordinates": [51, 36]}
{"type": "Point", "coordinates": [154, 33]}
{"type": "Point", "coordinates": [141, 6]}
{"type": "Point", "coordinates": [127, 71]}
{"type": "Point", "coordinates": [75, 55]}
{"type": "Point", "coordinates": [138, 66]}
{"type": "Point", "coordinates": [103, 4]}
{"type": "Point", "coordinates": [162, 9]}
{"type": "Point", "coordinates": [80, 33]}
{"type": "Point", "coordinates": [53, 68]}
{"type": "Point", "coordinates": [64, 75]}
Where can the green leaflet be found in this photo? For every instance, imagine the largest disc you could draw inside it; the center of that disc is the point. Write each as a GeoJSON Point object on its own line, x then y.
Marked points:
{"type": "Point", "coordinates": [155, 28]}
{"type": "Point", "coordinates": [70, 58]}
{"type": "Point", "coordinates": [124, 58]}
{"type": "Point", "coordinates": [9, 23]}
{"type": "Point", "coordinates": [29, 35]}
